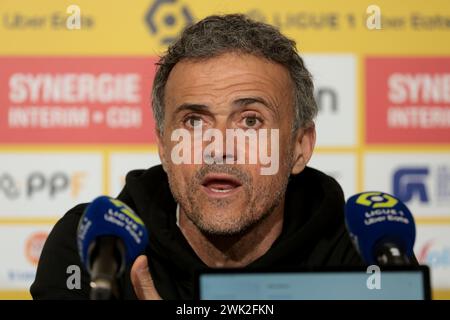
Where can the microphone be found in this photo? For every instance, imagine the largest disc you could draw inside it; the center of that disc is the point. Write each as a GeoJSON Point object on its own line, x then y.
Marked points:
{"type": "Point", "coordinates": [381, 227]}
{"type": "Point", "coordinates": [110, 236]}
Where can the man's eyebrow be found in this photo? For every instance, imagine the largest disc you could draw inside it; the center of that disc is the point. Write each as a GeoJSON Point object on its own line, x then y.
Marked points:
{"type": "Point", "coordinates": [251, 100]}
{"type": "Point", "coordinates": [241, 102]}
{"type": "Point", "coordinates": [192, 107]}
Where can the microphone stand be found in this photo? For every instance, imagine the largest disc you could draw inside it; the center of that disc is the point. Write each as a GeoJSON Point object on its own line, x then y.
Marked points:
{"type": "Point", "coordinates": [107, 266]}
{"type": "Point", "coordinates": [389, 254]}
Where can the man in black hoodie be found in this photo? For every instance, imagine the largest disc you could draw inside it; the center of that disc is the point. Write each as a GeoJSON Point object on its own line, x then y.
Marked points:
{"type": "Point", "coordinates": [226, 74]}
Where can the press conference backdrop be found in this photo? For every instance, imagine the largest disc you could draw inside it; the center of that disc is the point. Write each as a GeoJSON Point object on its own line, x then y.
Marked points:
{"type": "Point", "coordinates": [383, 91]}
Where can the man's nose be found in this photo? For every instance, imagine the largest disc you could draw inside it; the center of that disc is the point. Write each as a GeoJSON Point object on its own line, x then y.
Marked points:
{"type": "Point", "coordinates": [228, 153]}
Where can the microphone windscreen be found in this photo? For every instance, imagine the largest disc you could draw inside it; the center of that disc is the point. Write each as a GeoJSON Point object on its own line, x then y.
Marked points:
{"type": "Point", "coordinates": [106, 216]}
{"type": "Point", "coordinates": [373, 218]}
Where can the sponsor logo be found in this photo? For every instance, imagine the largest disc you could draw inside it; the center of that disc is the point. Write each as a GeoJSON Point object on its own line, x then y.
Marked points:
{"type": "Point", "coordinates": [34, 245]}
{"type": "Point", "coordinates": [301, 19]}
{"type": "Point", "coordinates": [434, 255]}
{"type": "Point", "coordinates": [420, 180]}
{"type": "Point", "coordinates": [376, 200]}
{"type": "Point", "coordinates": [22, 249]}
{"type": "Point", "coordinates": [327, 99]}
{"type": "Point", "coordinates": [50, 20]}
{"type": "Point", "coordinates": [165, 19]}
{"type": "Point", "coordinates": [47, 184]}
{"type": "Point", "coordinates": [414, 184]}
{"type": "Point", "coordinates": [40, 183]}
{"type": "Point", "coordinates": [410, 182]}
{"type": "Point", "coordinates": [76, 100]}
{"type": "Point", "coordinates": [432, 248]}
{"type": "Point", "coordinates": [382, 208]}
{"type": "Point", "coordinates": [408, 100]}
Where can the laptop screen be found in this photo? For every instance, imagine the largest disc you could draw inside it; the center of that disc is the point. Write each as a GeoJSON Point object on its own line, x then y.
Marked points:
{"type": "Point", "coordinates": [406, 284]}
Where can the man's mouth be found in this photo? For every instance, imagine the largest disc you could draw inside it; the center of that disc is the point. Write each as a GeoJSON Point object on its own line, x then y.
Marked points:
{"type": "Point", "coordinates": [220, 185]}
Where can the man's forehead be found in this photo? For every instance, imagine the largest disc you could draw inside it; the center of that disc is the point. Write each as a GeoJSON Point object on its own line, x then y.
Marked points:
{"type": "Point", "coordinates": [231, 62]}
{"type": "Point", "coordinates": [228, 73]}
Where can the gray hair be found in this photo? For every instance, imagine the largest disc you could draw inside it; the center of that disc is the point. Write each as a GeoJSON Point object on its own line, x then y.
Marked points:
{"type": "Point", "coordinates": [216, 35]}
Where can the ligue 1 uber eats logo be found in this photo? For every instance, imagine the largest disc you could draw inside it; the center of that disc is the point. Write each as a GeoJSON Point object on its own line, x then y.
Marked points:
{"type": "Point", "coordinates": [376, 200]}
{"type": "Point", "coordinates": [383, 207]}
{"type": "Point", "coordinates": [166, 18]}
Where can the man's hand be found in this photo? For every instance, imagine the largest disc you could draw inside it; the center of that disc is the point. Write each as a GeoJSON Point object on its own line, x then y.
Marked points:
{"type": "Point", "coordinates": [142, 280]}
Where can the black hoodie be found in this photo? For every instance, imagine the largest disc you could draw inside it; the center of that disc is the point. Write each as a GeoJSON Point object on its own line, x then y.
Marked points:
{"type": "Point", "coordinates": [313, 235]}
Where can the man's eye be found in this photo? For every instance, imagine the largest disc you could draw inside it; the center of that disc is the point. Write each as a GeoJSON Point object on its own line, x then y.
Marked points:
{"type": "Point", "coordinates": [194, 122]}
{"type": "Point", "coordinates": [252, 121]}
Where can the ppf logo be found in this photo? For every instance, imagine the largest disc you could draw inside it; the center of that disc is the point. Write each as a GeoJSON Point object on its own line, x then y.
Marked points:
{"type": "Point", "coordinates": [47, 184]}
{"type": "Point", "coordinates": [39, 183]}
{"type": "Point", "coordinates": [422, 184]}
{"type": "Point", "coordinates": [166, 18]}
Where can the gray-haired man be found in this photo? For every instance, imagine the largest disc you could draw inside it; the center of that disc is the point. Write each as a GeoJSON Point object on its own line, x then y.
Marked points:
{"type": "Point", "coordinates": [228, 74]}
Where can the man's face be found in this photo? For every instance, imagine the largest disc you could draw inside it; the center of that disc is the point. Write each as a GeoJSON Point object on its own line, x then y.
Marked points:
{"type": "Point", "coordinates": [231, 91]}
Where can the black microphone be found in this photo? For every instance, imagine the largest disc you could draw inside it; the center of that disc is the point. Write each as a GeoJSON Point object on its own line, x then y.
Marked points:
{"type": "Point", "coordinates": [382, 228]}
{"type": "Point", "coordinates": [110, 236]}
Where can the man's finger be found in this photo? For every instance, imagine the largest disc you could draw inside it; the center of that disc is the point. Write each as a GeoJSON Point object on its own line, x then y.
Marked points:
{"type": "Point", "coordinates": [142, 280]}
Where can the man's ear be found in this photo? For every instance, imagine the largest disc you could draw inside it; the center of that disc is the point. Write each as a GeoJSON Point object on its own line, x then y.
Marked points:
{"type": "Point", "coordinates": [305, 140]}
{"type": "Point", "coordinates": [161, 149]}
